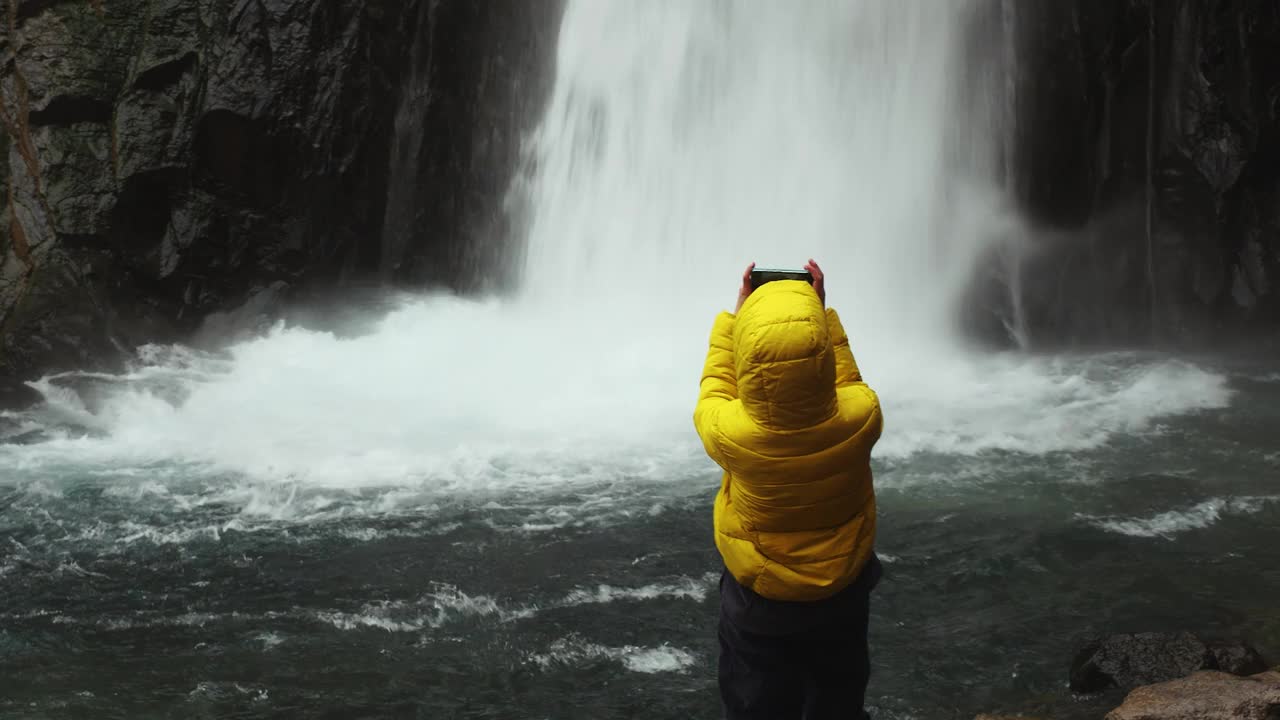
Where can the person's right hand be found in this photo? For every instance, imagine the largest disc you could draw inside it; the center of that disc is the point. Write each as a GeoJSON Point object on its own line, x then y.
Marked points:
{"type": "Point", "coordinates": [744, 290]}
{"type": "Point", "coordinates": [819, 280]}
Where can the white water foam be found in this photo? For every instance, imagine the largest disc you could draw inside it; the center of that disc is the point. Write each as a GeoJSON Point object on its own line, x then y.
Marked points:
{"type": "Point", "coordinates": [1040, 405]}
{"type": "Point", "coordinates": [447, 604]}
{"type": "Point", "coordinates": [686, 588]}
{"type": "Point", "coordinates": [1174, 522]}
{"type": "Point", "coordinates": [270, 640]}
{"type": "Point", "coordinates": [301, 408]}
{"type": "Point", "coordinates": [223, 690]}
{"type": "Point", "coordinates": [573, 651]}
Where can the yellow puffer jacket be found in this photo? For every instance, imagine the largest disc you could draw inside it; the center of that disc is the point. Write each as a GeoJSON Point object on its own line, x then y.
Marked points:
{"type": "Point", "coordinates": [783, 410]}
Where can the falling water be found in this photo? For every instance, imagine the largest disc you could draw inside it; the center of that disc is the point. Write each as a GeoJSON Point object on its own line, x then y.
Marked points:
{"type": "Point", "coordinates": [685, 139]}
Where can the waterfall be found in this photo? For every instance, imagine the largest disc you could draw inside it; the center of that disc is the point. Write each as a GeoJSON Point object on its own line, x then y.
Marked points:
{"type": "Point", "coordinates": [686, 138]}
{"type": "Point", "coordinates": [683, 139]}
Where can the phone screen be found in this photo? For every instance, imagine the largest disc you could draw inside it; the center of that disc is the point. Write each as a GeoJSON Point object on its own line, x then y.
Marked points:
{"type": "Point", "coordinates": [760, 276]}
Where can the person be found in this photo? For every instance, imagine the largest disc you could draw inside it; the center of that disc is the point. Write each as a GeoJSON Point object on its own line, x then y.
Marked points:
{"type": "Point", "coordinates": [783, 410]}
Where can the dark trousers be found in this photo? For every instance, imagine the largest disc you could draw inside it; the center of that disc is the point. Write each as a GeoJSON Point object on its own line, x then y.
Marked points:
{"type": "Point", "coordinates": [815, 673]}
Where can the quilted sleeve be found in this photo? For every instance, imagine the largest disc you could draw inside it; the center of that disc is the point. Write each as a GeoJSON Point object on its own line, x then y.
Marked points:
{"type": "Point", "coordinates": [719, 385]}
{"type": "Point", "coordinates": [846, 367]}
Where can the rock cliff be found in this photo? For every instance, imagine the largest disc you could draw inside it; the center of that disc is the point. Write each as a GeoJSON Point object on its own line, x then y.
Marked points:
{"type": "Point", "coordinates": [166, 159]}
{"type": "Point", "coordinates": [1147, 159]}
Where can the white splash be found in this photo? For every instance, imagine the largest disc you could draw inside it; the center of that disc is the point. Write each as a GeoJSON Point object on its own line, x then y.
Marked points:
{"type": "Point", "coordinates": [1173, 522]}
{"type": "Point", "coordinates": [573, 651]}
{"type": "Point", "coordinates": [686, 588]}
{"type": "Point", "coordinates": [445, 604]}
{"type": "Point", "coordinates": [270, 640]}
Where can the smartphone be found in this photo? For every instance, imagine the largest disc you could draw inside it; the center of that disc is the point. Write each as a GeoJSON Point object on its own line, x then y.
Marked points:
{"type": "Point", "coordinates": [760, 276]}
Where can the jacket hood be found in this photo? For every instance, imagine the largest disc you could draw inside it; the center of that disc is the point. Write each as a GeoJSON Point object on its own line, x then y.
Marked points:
{"type": "Point", "coordinates": [783, 356]}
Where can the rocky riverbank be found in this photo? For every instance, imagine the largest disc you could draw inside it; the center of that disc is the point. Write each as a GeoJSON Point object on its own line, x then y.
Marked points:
{"type": "Point", "coordinates": [1174, 676]}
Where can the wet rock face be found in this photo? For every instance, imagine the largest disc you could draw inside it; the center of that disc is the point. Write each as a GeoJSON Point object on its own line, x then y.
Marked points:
{"type": "Point", "coordinates": [458, 139]}
{"type": "Point", "coordinates": [167, 159]}
{"type": "Point", "coordinates": [1130, 660]}
{"type": "Point", "coordinates": [1102, 85]}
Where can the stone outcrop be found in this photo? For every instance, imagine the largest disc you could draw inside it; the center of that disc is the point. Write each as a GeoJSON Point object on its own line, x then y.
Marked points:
{"type": "Point", "coordinates": [1147, 159]}
{"type": "Point", "coordinates": [1205, 695]}
{"type": "Point", "coordinates": [1130, 660]}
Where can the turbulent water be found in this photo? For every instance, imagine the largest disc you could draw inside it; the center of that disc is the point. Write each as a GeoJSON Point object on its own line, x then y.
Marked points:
{"type": "Point", "coordinates": [498, 508]}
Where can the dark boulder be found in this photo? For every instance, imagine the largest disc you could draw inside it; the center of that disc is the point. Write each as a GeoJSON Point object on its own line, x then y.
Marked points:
{"type": "Point", "coordinates": [1236, 658]}
{"type": "Point", "coordinates": [1132, 660]}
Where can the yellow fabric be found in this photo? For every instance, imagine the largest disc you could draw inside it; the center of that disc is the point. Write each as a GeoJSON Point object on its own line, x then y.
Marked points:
{"type": "Point", "coordinates": [784, 412]}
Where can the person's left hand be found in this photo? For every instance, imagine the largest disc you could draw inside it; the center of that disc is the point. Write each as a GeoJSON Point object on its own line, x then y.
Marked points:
{"type": "Point", "coordinates": [744, 290]}
{"type": "Point", "coordinates": [819, 280]}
